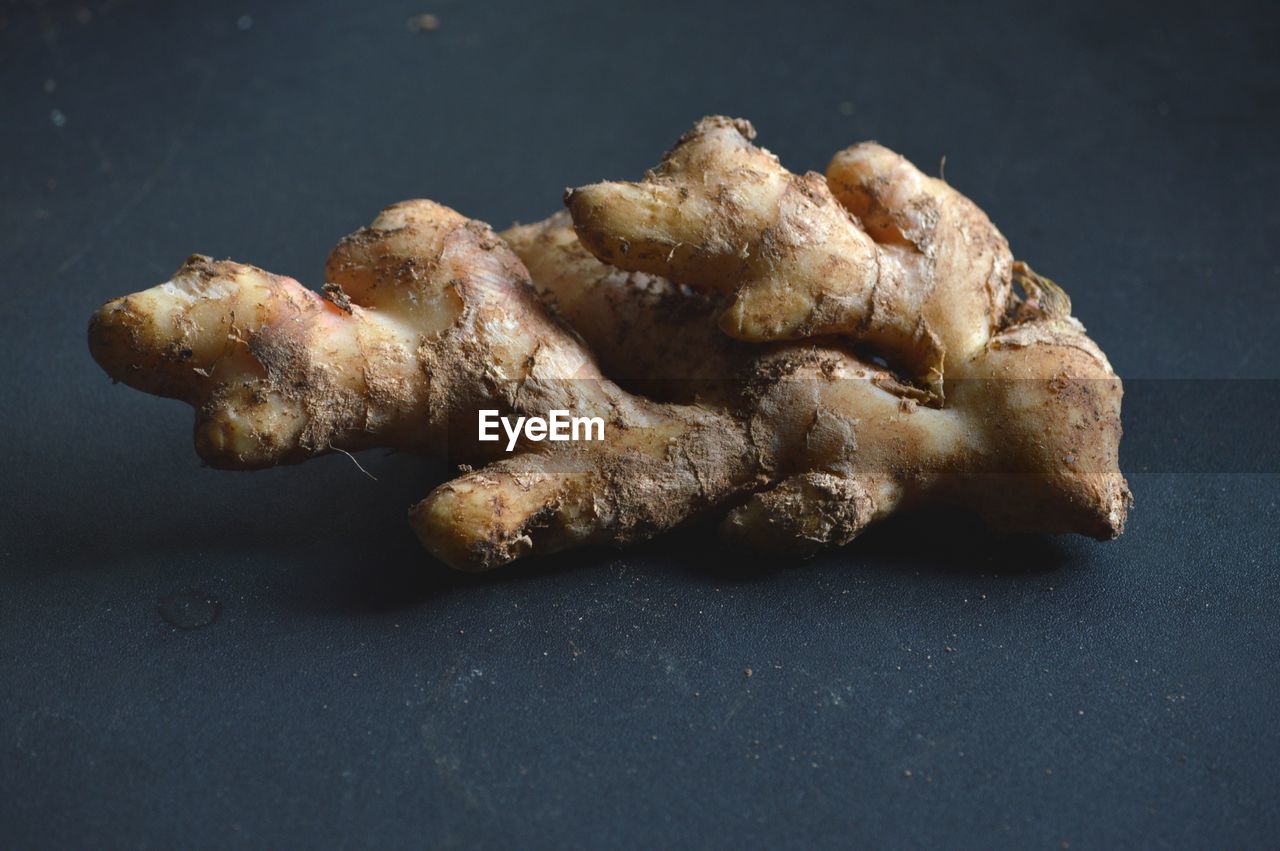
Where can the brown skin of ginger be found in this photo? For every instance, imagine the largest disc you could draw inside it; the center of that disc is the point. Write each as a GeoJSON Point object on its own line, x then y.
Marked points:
{"type": "Point", "coordinates": [922, 278]}
{"type": "Point", "coordinates": [428, 318]}
{"type": "Point", "coordinates": [1028, 441]}
{"type": "Point", "coordinates": [1006, 407]}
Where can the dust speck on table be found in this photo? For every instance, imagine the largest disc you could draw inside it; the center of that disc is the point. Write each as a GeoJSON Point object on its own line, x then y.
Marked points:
{"type": "Point", "coordinates": [190, 610]}
{"type": "Point", "coordinates": [425, 23]}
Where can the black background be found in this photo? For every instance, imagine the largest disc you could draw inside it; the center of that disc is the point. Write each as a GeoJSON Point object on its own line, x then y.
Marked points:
{"type": "Point", "coordinates": [353, 692]}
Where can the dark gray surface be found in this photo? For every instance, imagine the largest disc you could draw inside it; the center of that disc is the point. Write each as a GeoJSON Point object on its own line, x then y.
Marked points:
{"type": "Point", "coordinates": [352, 692]}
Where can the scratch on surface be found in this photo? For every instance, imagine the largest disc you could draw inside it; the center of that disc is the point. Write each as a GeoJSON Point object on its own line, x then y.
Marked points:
{"type": "Point", "coordinates": [733, 710]}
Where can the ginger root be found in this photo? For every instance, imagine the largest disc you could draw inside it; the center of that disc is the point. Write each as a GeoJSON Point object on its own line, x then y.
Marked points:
{"type": "Point", "coordinates": [877, 251]}
{"type": "Point", "coordinates": [427, 318]}
{"type": "Point", "coordinates": [809, 355]}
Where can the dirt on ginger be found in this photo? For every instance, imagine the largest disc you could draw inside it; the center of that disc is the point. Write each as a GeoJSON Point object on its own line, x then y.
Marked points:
{"type": "Point", "coordinates": [803, 355]}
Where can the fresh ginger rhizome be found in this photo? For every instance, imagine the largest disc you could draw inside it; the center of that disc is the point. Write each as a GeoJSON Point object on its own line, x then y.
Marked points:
{"type": "Point", "coordinates": [558, 427]}
{"type": "Point", "coordinates": [719, 263]}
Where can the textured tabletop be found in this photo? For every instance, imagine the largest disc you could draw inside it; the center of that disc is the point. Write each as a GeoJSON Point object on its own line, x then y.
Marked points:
{"type": "Point", "coordinates": [191, 657]}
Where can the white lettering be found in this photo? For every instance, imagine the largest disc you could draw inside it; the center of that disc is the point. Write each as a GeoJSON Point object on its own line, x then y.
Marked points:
{"type": "Point", "coordinates": [513, 434]}
{"type": "Point", "coordinates": [558, 427]}
{"type": "Point", "coordinates": [587, 424]}
{"type": "Point", "coordinates": [488, 421]}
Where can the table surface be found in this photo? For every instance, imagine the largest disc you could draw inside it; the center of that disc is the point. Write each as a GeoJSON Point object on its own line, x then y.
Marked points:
{"type": "Point", "coordinates": [190, 657]}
